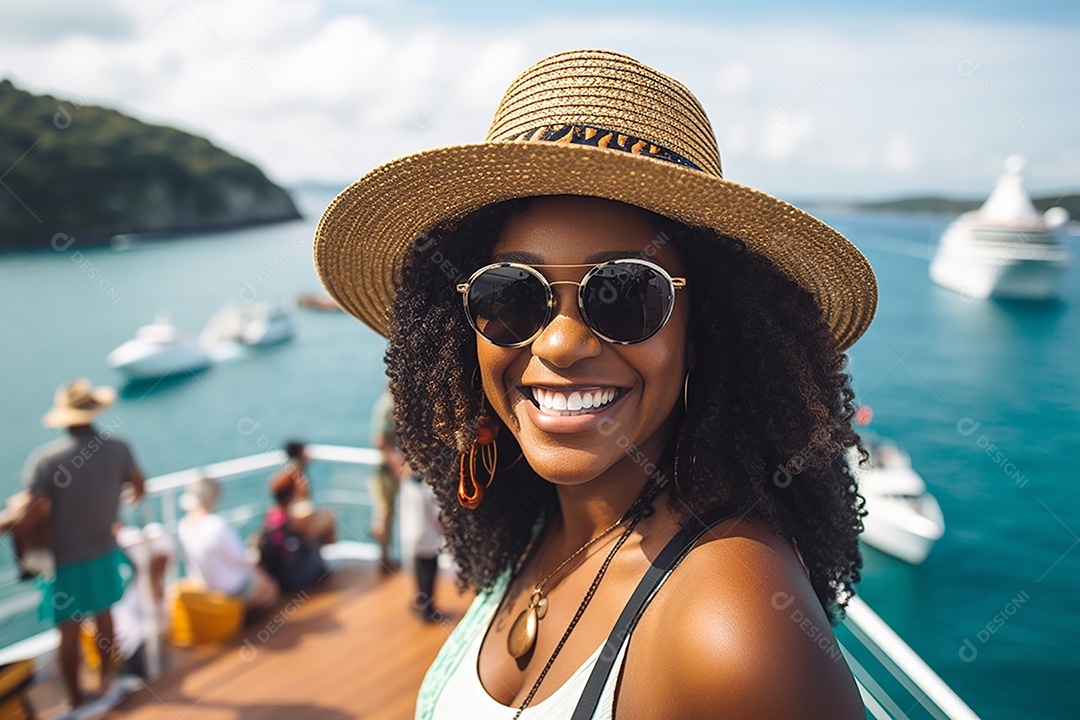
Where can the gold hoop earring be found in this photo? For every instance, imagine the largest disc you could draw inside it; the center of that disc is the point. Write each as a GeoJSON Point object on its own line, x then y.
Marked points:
{"type": "Point", "coordinates": [686, 392]}
{"type": "Point", "coordinates": [470, 497]}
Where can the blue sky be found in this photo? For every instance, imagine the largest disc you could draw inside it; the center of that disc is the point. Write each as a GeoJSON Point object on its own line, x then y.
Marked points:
{"type": "Point", "coordinates": [839, 100]}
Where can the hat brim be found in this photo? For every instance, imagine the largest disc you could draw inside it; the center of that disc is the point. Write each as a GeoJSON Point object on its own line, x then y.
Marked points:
{"type": "Point", "coordinates": [367, 232]}
{"type": "Point", "coordinates": [65, 417]}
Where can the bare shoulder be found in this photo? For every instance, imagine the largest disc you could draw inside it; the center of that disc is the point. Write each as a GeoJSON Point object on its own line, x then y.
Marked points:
{"type": "Point", "coordinates": [737, 632]}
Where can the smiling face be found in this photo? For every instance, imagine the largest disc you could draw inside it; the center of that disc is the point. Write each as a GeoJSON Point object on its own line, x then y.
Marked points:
{"type": "Point", "coordinates": [581, 407]}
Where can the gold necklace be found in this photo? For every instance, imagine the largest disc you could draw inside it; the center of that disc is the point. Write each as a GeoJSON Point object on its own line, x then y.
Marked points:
{"type": "Point", "coordinates": [522, 636]}
{"type": "Point", "coordinates": [641, 509]}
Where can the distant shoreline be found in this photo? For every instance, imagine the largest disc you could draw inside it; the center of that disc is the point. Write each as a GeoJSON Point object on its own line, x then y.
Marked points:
{"type": "Point", "coordinates": [94, 240]}
{"type": "Point", "coordinates": [937, 205]}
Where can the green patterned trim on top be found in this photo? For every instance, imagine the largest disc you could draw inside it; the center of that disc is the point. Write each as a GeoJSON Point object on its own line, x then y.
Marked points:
{"type": "Point", "coordinates": [475, 621]}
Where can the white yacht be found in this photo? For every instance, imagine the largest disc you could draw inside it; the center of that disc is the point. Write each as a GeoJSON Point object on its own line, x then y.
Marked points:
{"type": "Point", "coordinates": [158, 350]}
{"type": "Point", "coordinates": [1006, 248]}
{"type": "Point", "coordinates": [258, 324]}
{"type": "Point", "coordinates": [902, 518]}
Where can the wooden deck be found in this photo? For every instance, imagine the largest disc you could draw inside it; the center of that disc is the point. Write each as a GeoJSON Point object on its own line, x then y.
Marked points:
{"type": "Point", "coordinates": [350, 648]}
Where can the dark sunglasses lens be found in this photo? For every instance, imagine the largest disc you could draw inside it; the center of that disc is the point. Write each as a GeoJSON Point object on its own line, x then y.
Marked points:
{"type": "Point", "coordinates": [508, 305]}
{"type": "Point", "coordinates": [627, 302]}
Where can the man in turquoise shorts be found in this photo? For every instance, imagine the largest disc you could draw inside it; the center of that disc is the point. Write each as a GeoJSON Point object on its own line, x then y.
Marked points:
{"type": "Point", "coordinates": [80, 477]}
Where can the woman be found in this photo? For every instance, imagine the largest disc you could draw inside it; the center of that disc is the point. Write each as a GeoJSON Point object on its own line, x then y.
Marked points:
{"type": "Point", "coordinates": [610, 361]}
{"type": "Point", "coordinates": [288, 549]}
{"type": "Point", "coordinates": [317, 526]}
{"type": "Point", "coordinates": [214, 552]}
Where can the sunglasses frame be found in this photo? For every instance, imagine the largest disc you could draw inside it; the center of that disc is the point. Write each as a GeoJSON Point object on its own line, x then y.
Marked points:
{"type": "Point", "coordinates": [675, 283]}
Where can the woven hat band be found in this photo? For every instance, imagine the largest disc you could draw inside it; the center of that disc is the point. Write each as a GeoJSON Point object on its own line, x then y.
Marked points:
{"type": "Point", "coordinates": [603, 89]}
{"type": "Point", "coordinates": [602, 138]}
{"type": "Point", "coordinates": [83, 402]}
{"type": "Point", "coordinates": [76, 395]}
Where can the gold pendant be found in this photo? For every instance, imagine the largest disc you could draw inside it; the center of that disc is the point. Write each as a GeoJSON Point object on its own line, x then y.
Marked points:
{"type": "Point", "coordinates": [522, 636]}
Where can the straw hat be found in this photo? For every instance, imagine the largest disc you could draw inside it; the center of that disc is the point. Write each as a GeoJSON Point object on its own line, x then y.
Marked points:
{"type": "Point", "coordinates": [78, 403]}
{"type": "Point", "coordinates": [593, 123]}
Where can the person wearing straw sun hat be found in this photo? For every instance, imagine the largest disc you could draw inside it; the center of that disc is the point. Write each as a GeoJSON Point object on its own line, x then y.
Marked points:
{"type": "Point", "coordinates": [77, 480]}
{"type": "Point", "coordinates": [623, 376]}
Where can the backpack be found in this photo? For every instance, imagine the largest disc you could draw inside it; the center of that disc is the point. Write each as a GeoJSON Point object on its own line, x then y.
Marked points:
{"type": "Point", "coordinates": [290, 559]}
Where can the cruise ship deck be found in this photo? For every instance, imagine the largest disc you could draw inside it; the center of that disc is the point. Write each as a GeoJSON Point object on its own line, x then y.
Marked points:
{"type": "Point", "coordinates": [349, 648]}
{"type": "Point", "coordinates": [352, 647]}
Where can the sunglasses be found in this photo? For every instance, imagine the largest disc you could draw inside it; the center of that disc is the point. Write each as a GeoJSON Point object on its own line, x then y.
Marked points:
{"type": "Point", "coordinates": [622, 301]}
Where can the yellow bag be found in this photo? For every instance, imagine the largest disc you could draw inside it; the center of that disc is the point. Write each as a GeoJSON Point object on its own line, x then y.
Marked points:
{"type": "Point", "coordinates": [15, 679]}
{"type": "Point", "coordinates": [204, 616]}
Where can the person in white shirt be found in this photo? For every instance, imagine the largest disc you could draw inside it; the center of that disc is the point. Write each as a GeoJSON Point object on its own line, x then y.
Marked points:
{"type": "Point", "coordinates": [214, 552]}
{"type": "Point", "coordinates": [420, 530]}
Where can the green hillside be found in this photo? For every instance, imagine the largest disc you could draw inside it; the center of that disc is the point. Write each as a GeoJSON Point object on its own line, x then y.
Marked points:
{"type": "Point", "coordinates": [92, 173]}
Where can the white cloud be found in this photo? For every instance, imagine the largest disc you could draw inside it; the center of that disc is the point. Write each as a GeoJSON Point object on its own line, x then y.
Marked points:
{"type": "Point", "coordinates": [782, 134]}
{"type": "Point", "coordinates": [309, 91]}
{"type": "Point", "coordinates": [735, 78]}
{"type": "Point", "coordinates": [899, 153]}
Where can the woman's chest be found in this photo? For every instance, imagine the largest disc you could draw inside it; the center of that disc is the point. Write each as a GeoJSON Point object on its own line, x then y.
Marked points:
{"type": "Point", "coordinates": [579, 604]}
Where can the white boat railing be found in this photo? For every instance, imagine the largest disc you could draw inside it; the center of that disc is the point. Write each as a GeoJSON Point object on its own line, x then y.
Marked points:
{"type": "Point", "coordinates": [903, 663]}
{"type": "Point", "coordinates": [166, 490]}
{"type": "Point", "coordinates": [929, 690]}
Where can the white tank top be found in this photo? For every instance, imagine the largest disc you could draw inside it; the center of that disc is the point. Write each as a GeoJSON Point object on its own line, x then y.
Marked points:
{"type": "Point", "coordinates": [464, 696]}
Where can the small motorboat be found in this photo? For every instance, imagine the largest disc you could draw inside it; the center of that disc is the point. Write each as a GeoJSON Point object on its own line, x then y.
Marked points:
{"type": "Point", "coordinates": [902, 518]}
{"type": "Point", "coordinates": [157, 351]}
{"type": "Point", "coordinates": [312, 301]}
{"type": "Point", "coordinates": [267, 325]}
{"type": "Point", "coordinates": [256, 324]}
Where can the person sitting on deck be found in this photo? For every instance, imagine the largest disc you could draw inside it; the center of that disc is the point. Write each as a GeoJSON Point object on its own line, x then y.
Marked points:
{"type": "Point", "coordinates": [289, 545]}
{"type": "Point", "coordinates": [315, 525]}
{"type": "Point", "coordinates": [214, 552]}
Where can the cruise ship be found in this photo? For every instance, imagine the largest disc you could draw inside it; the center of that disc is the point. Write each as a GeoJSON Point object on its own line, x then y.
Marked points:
{"type": "Point", "coordinates": [1006, 248]}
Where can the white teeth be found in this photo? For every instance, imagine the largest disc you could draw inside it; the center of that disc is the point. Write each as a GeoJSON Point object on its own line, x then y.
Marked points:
{"type": "Point", "coordinates": [574, 403]}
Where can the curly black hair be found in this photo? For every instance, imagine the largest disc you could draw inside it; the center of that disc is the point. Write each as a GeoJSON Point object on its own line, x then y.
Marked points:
{"type": "Point", "coordinates": [765, 431]}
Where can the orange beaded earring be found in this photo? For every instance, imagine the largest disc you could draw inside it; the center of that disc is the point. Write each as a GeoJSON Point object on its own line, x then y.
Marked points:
{"type": "Point", "coordinates": [489, 456]}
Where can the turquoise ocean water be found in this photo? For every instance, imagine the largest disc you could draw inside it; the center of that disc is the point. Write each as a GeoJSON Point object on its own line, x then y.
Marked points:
{"type": "Point", "coordinates": [985, 396]}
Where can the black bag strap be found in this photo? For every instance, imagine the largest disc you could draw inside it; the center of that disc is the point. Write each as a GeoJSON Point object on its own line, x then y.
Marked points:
{"type": "Point", "coordinates": [668, 559]}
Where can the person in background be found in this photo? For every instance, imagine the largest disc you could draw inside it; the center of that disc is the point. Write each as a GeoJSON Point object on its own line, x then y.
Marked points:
{"type": "Point", "coordinates": [289, 550]}
{"type": "Point", "coordinates": [80, 478]}
{"type": "Point", "coordinates": [317, 526]}
{"type": "Point", "coordinates": [214, 552]}
{"type": "Point", "coordinates": [388, 477]}
{"type": "Point", "coordinates": [420, 532]}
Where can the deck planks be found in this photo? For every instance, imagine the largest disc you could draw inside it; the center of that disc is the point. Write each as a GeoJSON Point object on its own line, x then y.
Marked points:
{"type": "Point", "coordinates": [352, 649]}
